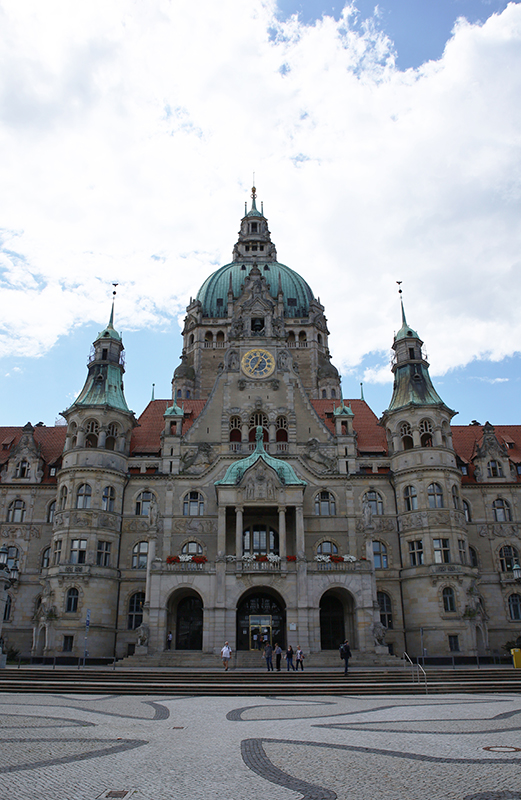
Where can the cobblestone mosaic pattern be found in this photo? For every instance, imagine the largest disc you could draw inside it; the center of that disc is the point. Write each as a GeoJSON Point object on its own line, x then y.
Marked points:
{"type": "Point", "coordinates": [69, 747]}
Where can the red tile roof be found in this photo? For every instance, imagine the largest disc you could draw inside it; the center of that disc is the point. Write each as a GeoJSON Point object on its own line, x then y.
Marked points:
{"type": "Point", "coordinates": [371, 437]}
{"type": "Point", "coordinates": [467, 438]}
{"type": "Point", "coordinates": [51, 441]}
{"type": "Point", "coordinates": [146, 439]}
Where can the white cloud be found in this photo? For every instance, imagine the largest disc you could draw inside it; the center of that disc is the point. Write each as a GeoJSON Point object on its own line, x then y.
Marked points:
{"type": "Point", "coordinates": [129, 133]}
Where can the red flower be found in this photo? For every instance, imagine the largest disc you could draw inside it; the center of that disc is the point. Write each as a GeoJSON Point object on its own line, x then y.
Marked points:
{"type": "Point", "coordinates": [262, 558]}
{"type": "Point", "coordinates": [337, 559]}
{"type": "Point", "coordinates": [291, 558]}
{"type": "Point", "coordinates": [199, 559]}
{"type": "Point", "coordinates": [172, 560]}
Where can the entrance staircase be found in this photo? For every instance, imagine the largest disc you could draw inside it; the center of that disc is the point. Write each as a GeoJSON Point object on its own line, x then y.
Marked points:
{"type": "Point", "coordinates": [252, 659]}
{"type": "Point", "coordinates": [239, 683]}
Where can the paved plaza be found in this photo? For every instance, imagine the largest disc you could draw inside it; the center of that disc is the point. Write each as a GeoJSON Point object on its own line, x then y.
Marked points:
{"type": "Point", "coordinates": [82, 747]}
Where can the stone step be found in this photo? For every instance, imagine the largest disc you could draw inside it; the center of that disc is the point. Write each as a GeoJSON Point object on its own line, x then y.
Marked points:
{"type": "Point", "coordinates": [243, 659]}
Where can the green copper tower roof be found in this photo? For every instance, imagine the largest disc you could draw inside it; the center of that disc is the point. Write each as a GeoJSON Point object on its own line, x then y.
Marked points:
{"type": "Point", "coordinates": [285, 471]}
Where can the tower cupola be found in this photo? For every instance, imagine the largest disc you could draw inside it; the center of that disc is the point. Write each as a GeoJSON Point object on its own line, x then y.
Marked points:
{"type": "Point", "coordinates": [254, 236]}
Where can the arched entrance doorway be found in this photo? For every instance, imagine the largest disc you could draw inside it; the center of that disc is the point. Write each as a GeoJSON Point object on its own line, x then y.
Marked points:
{"type": "Point", "coordinates": [336, 619]}
{"type": "Point", "coordinates": [261, 617]}
{"type": "Point", "coordinates": [187, 611]}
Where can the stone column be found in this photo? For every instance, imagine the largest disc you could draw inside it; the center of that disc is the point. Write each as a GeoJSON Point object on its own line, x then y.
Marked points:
{"type": "Point", "coordinates": [150, 557]}
{"type": "Point", "coordinates": [238, 532]}
{"type": "Point", "coordinates": [299, 525]}
{"type": "Point", "coordinates": [102, 437]}
{"type": "Point", "coordinates": [282, 537]}
{"type": "Point", "coordinates": [221, 531]}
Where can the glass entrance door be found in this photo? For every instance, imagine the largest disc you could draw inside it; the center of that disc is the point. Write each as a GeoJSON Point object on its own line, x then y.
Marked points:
{"type": "Point", "coordinates": [260, 631]}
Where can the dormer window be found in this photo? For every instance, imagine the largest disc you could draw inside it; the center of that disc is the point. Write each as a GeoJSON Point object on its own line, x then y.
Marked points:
{"type": "Point", "coordinates": [254, 226]}
{"type": "Point", "coordinates": [23, 469]}
{"type": "Point", "coordinates": [411, 352]}
{"type": "Point", "coordinates": [104, 354]}
{"type": "Point", "coordinates": [494, 469]}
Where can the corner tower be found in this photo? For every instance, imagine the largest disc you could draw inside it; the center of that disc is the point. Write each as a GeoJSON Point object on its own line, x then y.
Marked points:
{"type": "Point", "coordinates": [433, 535]}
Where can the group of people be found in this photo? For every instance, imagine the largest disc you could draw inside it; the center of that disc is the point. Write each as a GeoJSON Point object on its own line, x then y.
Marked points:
{"type": "Point", "coordinates": [276, 650]}
{"type": "Point", "coordinates": [269, 652]}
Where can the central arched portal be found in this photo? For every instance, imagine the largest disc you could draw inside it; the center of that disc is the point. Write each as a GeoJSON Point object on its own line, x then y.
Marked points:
{"type": "Point", "coordinates": [189, 623]}
{"type": "Point", "coordinates": [261, 618]}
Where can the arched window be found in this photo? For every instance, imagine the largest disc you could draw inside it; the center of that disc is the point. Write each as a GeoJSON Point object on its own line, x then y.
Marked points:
{"type": "Point", "coordinates": [91, 433]}
{"type": "Point", "coordinates": [494, 469]}
{"type": "Point", "coordinates": [426, 433]}
{"type": "Point", "coordinates": [449, 599]}
{"type": "Point", "coordinates": [291, 339]}
{"type": "Point", "coordinates": [112, 435]}
{"type": "Point", "coordinates": [514, 606]}
{"type": "Point", "coordinates": [193, 504]}
{"type": "Point", "coordinates": [7, 608]}
{"type": "Point", "coordinates": [219, 339]}
{"type": "Point", "coordinates": [410, 498]}
{"type": "Point", "coordinates": [325, 505]}
{"type": "Point", "coordinates": [235, 429]}
{"type": "Point", "coordinates": [108, 498]}
{"type": "Point", "coordinates": [255, 420]}
{"type": "Point", "coordinates": [327, 549]}
{"type": "Point", "coordinates": [140, 555]}
{"type": "Point", "coordinates": [135, 610]}
{"type": "Point", "coordinates": [46, 558]}
{"type": "Point", "coordinates": [51, 510]}
{"type": "Point", "coordinates": [380, 555]}
{"type": "Point", "coordinates": [386, 610]}
{"type": "Point", "coordinates": [333, 393]}
{"type": "Point", "coordinates": [406, 436]}
{"type": "Point", "coordinates": [324, 394]}
{"type": "Point", "coordinates": [466, 511]}
{"type": "Point", "coordinates": [435, 495]}
{"type": "Point", "coordinates": [23, 469]}
{"type": "Point", "coordinates": [375, 503]}
{"type": "Point", "coordinates": [83, 496]}
{"type": "Point", "coordinates": [143, 503]}
{"type": "Point", "coordinates": [260, 540]}
{"type": "Point", "coordinates": [302, 339]}
{"type": "Point", "coordinates": [455, 497]}
{"type": "Point", "coordinates": [208, 339]}
{"type": "Point", "coordinates": [281, 433]}
{"type": "Point", "coordinates": [502, 512]}
{"type": "Point", "coordinates": [63, 497]}
{"type": "Point", "coordinates": [192, 549]}
{"type": "Point", "coordinates": [508, 558]}
{"type": "Point", "coordinates": [71, 605]}
{"type": "Point", "coordinates": [16, 511]}
{"type": "Point", "coordinates": [473, 553]}
{"type": "Point", "coordinates": [12, 556]}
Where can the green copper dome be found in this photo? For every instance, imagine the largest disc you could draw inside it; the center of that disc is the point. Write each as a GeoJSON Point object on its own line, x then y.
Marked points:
{"type": "Point", "coordinates": [297, 294]}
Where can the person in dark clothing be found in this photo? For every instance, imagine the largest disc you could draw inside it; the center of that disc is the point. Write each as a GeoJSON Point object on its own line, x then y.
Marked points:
{"type": "Point", "coordinates": [300, 658]}
{"type": "Point", "coordinates": [345, 654]}
{"type": "Point", "coordinates": [268, 655]}
{"type": "Point", "coordinates": [278, 655]}
{"type": "Point", "coordinates": [289, 658]}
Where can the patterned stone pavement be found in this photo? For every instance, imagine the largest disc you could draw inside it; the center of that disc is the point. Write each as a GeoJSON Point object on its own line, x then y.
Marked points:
{"type": "Point", "coordinates": [83, 747]}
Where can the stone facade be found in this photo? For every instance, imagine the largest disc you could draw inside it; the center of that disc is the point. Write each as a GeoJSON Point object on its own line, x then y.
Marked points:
{"type": "Point", "coordinates": [257, 502]}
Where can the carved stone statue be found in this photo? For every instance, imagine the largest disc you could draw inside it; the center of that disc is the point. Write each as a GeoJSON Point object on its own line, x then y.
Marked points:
{"type": "Point", "coordinates": [317, 457]}
{"type": "Point", "coordinates": [142, 635]}
{"type": "Point", "coordinates": [379, 632]}
{"type": "Point", "coordinates": [196, 461]}
{"type": "Point", "coordinates": [367, 514]}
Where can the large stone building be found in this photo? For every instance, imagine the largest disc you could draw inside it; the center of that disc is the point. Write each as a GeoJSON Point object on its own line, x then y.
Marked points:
{"type": "Point", "coordinates": [257, 502]}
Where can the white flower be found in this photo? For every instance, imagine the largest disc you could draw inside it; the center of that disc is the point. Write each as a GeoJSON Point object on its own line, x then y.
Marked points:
{"type": "Point", "coordinates": [273, 559]}
{"type": "Point", "coordinates": [326, 559]}
{"type": "Point", "coordinates": [185, 557]}
{"type": "Point", "coordinates": [248, 558]}
{"type": "Point", "coordinates": [350, 558]}
{"type": "Point", "coordinates": [231, 558]}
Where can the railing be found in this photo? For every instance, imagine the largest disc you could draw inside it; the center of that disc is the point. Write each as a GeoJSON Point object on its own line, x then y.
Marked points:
{"type": "Point", "coordinates": [282, 447]}
{"type": "Point", "coordinates": [235, 447]}
{"type": "Point", "coordinates": [338, 566]}
{"type": "Point", "coordinates": [186, 566]}
{"type": "Point", "coordinates": [257, 566]}
{"type": "Point", "coordinates": [415, 670]}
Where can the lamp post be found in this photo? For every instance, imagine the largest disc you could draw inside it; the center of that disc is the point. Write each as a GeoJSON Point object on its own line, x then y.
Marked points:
{"type": "Point", "coordinates": [8, 576]}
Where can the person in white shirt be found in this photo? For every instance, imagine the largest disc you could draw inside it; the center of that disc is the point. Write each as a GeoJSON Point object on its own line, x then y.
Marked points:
{"type": "Point", "coordinates": [225, 655]}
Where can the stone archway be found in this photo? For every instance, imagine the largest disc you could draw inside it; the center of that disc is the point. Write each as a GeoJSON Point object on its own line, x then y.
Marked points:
{"type": "Point", "coordinates": [260, 612]}
{"type": "Point", "coordinates": [336, 619]}
{"type": "Point", "coordinates": [40, 640]}
{"type": "Point", "coordinates": [186, 620]}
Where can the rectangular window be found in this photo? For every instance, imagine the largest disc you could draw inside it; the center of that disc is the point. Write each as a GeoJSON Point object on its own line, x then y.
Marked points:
{"type": "Point", "coordinates": [57, 554]}
{"type": "Point", "coordinates": [52, 472]}
{"type": "Point", "coordinates": [68, 644]}
{"type": "Point", "coordinates": [78, 551]}
{"type": "Point", "coordinates": [441, 551]}
{"type": "Point", "coordinates": [462, 548]}
{"type": "Point", "coordinates": [454, 644]}
{"type": "Point", "coordinates": [464, 469]}
{"type": "Point", "coordinates": [416, 552]}
{"type": "Point", "coordinates": [103, 554]}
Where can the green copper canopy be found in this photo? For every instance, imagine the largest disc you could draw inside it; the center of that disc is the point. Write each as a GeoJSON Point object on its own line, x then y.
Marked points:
{"type": "Point", "coordinates": [285, 471]}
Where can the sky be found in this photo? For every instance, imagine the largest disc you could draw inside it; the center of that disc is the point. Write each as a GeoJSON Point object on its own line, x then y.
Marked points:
{"type": "Point", "coordinates": [386, 146]}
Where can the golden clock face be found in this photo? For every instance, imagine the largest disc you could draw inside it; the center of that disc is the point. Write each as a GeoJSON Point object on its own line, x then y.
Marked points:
{"type": "Point", "coordinates": [258, 363]}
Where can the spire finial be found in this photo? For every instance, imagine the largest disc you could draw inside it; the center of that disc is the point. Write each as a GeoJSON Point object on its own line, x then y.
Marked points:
{"type": "Point", "coordinates": [111, 320]}
{"type": "Point", "coordinates": [404, 321]}
{"type": "Point", "coordinates": [153, 388]}
{"type": "Point", "coordinates": [362, 391]}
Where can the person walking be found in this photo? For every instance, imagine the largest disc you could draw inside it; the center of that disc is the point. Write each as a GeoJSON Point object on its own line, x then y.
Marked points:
{"type": "Point", "coordinates": [345, 654]}
{"type": "Point", "coordinates": [300, 658]}
{"type": "Point", "coordinates": [268, 655]}
{"type": "Point", "coordinates": [169, 640]}
{"type": "Point", "coordinates": [289, 658]}
{"type": "Point", "coordinates": [225, 655]}
{"type": "Point", "coordinates": [278, 655]}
